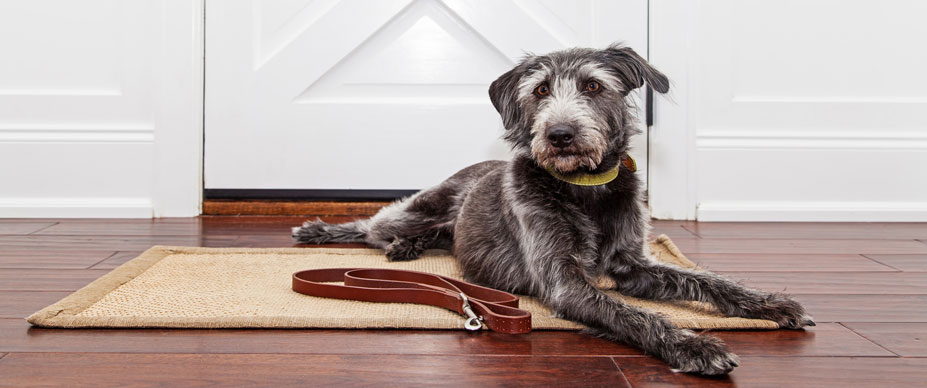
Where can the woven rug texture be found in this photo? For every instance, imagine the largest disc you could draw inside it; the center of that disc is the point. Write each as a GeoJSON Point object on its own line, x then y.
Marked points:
{"type": "Point", "coordinates": [191, 287]}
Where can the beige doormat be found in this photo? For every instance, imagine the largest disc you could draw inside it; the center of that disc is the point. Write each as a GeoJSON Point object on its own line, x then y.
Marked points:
{"type": "Point", "coordinates": [183, 287]}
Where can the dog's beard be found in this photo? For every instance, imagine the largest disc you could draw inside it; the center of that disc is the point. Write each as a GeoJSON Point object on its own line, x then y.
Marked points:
{"type": "Point", "coordinates": [585, 153]}
{"type": "Point", "coordinates": [566, 163]}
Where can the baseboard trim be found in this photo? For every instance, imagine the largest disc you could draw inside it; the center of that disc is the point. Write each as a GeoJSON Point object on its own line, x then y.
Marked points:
{"type": "Point", "coordinates": [773, 211]}
{"type": "Point", "coordinates": [711, 139]}
{"type": "Point", "coordinates": [291, 208]}
{"type": "Point", "coordinates": [75, 208]}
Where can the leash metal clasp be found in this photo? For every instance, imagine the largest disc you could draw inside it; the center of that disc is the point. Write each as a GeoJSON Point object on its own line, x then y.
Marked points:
{"type": "Point", "coordinates": [475, 322]}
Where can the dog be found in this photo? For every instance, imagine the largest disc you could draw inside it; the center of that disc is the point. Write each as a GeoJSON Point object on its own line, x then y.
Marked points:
{"type": "Point", "coordinates": [565, 211]}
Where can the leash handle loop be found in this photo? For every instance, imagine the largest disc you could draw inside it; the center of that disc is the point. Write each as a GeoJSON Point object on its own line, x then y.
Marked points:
{"type": "Point", "coordinates": [497, 310]}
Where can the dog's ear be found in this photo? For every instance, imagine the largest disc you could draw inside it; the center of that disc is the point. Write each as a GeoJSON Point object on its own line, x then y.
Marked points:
{"type": "Point", "coordinates": [503, 92]}
{"type": "Point", "coordinates": [634, 70]}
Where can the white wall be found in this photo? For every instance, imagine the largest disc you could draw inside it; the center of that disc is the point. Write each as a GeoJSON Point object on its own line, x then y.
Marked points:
{"type": "Point", "coordinates": [790, 110]}
{"type": "Point", "coordinates": [100, 108]}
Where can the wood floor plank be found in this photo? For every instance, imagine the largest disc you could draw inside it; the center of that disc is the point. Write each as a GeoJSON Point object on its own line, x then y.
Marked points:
{"type": "Point", "coordinates": [126, 227]}
{"type": "Point", "coordinates": [39, 258]}
{"type": "Point", "coordinates": [810, 230]}
{"type": "Point", "coordinates": [20, 304]}
{"type": "Point", "coordinates": [819, 263]}
{"type": "Point", "coordinates": [835, 282]}
{"type": "Point", "coordinates": [787, 262]}
{"type": "Point", "coordinates": [800, 246]}
{"type": "Point", "coordinates": [205, 225]}
{"type": "Point", "coordinates": [18, 336]}
{"type": "Point", "coordinates": [121, 257]}
{"type": "Point", "coordinates": [905, 339]}
{"type": "Point", "coordinates": [23, 227]}
{"type": "Point", "coordinates": [907, 263]}
{"type": "Point", "coordinates": [108, 242]}
{"type": "Point", "coordinates": [673, 229]}
{"type": "Point", "coordinates": [825, 339]}
{"type": "Point", "coordinates": [864, 308]}
{"type": "Point", "coordinates": [47, 279]}
{"type": "Point", "coordinates": [158, 370]}
{"type": "Point", "coordinates": [116, 259]}
{"type": "Point", "coordinates": [805, 372]}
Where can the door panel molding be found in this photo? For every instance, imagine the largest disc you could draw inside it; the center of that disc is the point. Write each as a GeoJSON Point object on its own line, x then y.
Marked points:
{"type": "Point", "coordinates": [397, 101]}
{"type": "Point", "coordinates": [101, 108]}
{"type": "Point", "coordinates": [767, 124]}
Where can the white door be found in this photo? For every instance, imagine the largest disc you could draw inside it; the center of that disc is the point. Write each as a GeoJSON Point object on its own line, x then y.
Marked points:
{"type": "Point", "coordinates": [790, 110]}
{"type": "Point", "coordinates": [387, 94]}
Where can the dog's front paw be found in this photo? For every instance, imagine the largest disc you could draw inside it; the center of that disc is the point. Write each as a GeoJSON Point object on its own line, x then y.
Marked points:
{"type": "Point", "coordinates": [702, 354]}
{"type": "Point", "coordinates": [781, 309]}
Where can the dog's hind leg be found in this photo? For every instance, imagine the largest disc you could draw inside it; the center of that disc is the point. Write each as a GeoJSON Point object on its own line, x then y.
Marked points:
{"type": "Point", "coordinates": [405, 228]}
{"type": "Point", "coordinates": [378, 231]}
{"type": "Point", "coordinates": [408, 226]}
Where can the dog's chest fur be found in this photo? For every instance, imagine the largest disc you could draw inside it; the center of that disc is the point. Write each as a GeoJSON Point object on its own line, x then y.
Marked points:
{"type": "Point", "coordinates": [608, 215]}
{"type": "Point", "coordinates": [615, 212]}
{"type": "Point", "coordinates": [530, 212]}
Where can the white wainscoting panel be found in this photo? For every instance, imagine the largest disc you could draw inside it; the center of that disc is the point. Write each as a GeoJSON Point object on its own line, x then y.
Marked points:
{"type": "Point", "coordinates": [823, 211]}
{"type": "Point", "coordinates": [91, 94]}
{"type": "Point", "coordinates": [801, 111]}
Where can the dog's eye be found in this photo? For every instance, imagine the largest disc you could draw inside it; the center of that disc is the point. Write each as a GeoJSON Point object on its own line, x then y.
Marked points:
{"type": "Point", "coordinates": [592, 86]}
{"type": "Point", "coordinates": [542, 90]}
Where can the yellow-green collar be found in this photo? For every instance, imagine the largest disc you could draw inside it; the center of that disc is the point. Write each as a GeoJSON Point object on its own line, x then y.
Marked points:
{"type": "Point", "coordinates": [584, 179]}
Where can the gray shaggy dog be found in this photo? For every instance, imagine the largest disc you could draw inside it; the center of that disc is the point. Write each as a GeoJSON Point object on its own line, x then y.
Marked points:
{"type": "Point", "coordinates": [527, 227]}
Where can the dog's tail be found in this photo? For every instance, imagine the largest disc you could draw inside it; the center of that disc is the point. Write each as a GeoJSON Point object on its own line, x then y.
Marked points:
{"type": "Point", "coordinates": [321, 232]}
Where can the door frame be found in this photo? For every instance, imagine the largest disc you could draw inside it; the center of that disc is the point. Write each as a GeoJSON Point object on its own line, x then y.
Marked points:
{"type": "Point", "coordinates": [672, 174]}
{"type": "Point", "coordinates": [177, 189]}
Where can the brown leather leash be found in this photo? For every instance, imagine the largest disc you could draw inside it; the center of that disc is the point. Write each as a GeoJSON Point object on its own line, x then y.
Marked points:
{"type": "Point", "coordinates": [496, 309]}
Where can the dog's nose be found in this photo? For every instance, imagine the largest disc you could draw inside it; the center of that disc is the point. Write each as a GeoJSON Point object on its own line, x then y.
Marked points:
{"type": "Point", "coordinates": [560, 136]}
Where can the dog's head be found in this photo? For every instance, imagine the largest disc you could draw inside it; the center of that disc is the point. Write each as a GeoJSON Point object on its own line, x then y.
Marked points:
{"type": "Point", "coordinates": [567, 109]}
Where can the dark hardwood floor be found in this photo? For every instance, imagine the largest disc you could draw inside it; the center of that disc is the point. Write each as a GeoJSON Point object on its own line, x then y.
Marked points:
{"type": "Point", "coordinates": [866, 285]}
